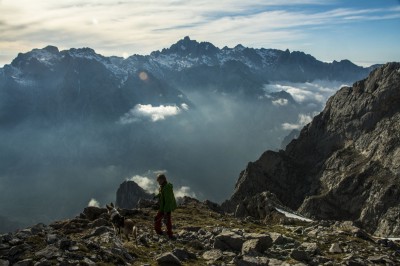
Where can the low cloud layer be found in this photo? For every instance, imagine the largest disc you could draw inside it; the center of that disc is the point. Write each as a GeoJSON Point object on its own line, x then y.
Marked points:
{"type": "Point", "coordinates": [316, 93]}
{"type": "Point", "coordinates": [312, 96]}
{"type": "Point", "coordinates": [280, 102]}
{"type": "Point", "coordinates": [301, 122]}
{"type": "Point", "coordinates": [54, 171]}
{"type": "Point", "coordinates": [153, 113]}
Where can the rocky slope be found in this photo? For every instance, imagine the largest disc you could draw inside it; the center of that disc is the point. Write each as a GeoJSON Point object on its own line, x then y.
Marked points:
{"type": "Point", "coordinates": [204, 237]}
{"type": "Point", "coordinates": [345, 165]}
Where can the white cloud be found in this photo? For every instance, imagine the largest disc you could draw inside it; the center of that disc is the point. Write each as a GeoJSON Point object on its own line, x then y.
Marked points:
{"type": "Point", "coordinates": [184, 191]}
{"type": "Point", "coordinates": [316, 92]}
{"type": "Point", "coordinates": [301, 122]}
{"type": "Point", "coordinates": [154, 113]}
{"type": "Point", "coordinates": [93, 203]}
{"type": "Point", "coordinates": [148, 184]}
{"type": "Point", "coordinates": [280, 102]}
{"type": "Point", "coordinates": [95, 21]}
{"type": "Point", "coordinates": [151, 186]}
{"type": "Point", "coordinates": [185, 106]}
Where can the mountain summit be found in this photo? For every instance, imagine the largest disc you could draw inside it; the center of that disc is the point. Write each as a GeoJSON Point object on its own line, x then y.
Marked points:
{"type": "Point", "coordinates": [345, 163]}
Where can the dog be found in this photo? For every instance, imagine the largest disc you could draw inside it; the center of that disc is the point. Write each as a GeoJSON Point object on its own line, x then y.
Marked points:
{"type": "Point", "coordinates": [119, 221]}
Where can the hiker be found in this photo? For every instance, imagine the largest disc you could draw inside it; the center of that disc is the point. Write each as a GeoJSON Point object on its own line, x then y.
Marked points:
{"type": "Point", "coordinates": [167, 205]}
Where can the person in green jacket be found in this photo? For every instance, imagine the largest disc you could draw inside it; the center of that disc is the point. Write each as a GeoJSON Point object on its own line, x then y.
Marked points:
{"type": "Point", "coordinates": [167, 205]}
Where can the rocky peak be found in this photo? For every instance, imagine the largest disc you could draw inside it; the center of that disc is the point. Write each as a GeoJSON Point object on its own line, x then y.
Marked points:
{"type": "Point", "coordinates": [345, 163]}
{"type": "Point", "coordinates": [46, 56]}
{"type": "Point", "coordinates": [239, 47]}
{"type": "Point", "coordinates": [129, 193]}
{"type": "Point", "coordinates": [51, 49]}
{"type": "Point", "coordinates": [82, 52]}
{"type": "Point", "coordinates": [188, 47]}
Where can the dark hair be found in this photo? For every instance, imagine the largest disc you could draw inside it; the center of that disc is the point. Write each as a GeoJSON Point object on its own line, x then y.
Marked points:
{"type": "Point", "coordinates": [161, 177]}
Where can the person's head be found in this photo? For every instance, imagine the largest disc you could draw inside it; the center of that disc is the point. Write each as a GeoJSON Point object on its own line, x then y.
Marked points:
{"type": "Point", "coordinates": [161, 179]}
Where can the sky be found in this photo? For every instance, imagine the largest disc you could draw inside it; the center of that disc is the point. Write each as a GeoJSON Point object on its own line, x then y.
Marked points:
{"type": "Point", "coordinates": [365, 32]}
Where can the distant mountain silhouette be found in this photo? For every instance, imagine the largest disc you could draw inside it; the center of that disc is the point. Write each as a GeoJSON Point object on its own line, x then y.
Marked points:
{"type": "Point", "coordinates": [79, 82]}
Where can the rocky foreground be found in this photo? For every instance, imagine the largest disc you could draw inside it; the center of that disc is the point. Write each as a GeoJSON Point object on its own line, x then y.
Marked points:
{"type": "Point", "coordinates": [205, 236]}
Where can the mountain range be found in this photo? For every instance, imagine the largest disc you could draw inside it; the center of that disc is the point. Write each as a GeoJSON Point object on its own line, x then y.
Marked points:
{"type": "Point", "coordinates": [81, 82]}
{"type": "Point", "coordinates": [74, 123]}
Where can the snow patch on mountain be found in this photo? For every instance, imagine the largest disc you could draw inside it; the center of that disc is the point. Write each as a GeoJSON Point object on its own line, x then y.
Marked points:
{"type": "Point", "coordinates": [293, 215]}
{"type": "Point", "coordinates": [90, 54]}
{"type": "Point", "coordinates": [45, 56]}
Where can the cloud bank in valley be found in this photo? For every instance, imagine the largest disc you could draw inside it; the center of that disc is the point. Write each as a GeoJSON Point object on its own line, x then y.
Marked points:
{"type": "Point", "coordinates": [302, 121]}
{"type": "Point", "coordinates": [316, 92]}
{"type": "Point", "coordinates": [53, 171]}
{"type": "Point", "coordinates": [311, 95]}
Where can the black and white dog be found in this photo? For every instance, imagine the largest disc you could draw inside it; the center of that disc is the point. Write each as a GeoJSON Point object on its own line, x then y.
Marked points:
{"type": "Point", "coordinates": [119, 221]}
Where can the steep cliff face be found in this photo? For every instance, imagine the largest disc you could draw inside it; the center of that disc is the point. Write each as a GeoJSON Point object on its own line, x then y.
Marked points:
{"type": "Point", "coordinates": [129, 193]}
{"type": "Point", "coordinates": [345, 165]}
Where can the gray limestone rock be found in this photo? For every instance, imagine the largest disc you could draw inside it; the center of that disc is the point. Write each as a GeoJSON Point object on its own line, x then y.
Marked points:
{"type": "Point", "coordinates": [183, 254]}
{"type": "Point", "coordinates": [257, 243]}
{"type": "Point", "coordinates": [212, 255]}
{"type": "Point", "coordinates": [252, 261]}
{"type": "Point", "coordinates": [51, 238]}
{"type": "Point", "coordinates": [228, 241]}
{"type": "Point", "coordinates": [48, 252]}
{"type": "Point", "coordinates": [93, 213]}
{"type": "Point", "coordinates": [25, 262]}
{"type": "Point", "coordinates": [4, 262]}
{"type": "Point", "coordinates": [335, 248]}
{"type": "Point", "coordinates": [345, 164]}
{"type": "Point", "coordinates": [300, 255]}
{"type": "Point", "coordinates": [168, 259]}
{"type": "Point", "coordinates": [253, 247]}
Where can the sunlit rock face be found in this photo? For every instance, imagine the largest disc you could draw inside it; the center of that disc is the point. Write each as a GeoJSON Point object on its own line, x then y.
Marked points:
{"type": "Point", "coordinates": [345, 165]}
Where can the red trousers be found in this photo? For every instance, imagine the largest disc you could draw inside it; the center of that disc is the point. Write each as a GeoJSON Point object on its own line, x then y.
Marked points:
{"type": "Point", "coordinates": [158, 222]}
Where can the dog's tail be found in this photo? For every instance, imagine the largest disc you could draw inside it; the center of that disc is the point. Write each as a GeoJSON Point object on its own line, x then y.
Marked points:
{"type": "Point", "coordinates": [135, 234]}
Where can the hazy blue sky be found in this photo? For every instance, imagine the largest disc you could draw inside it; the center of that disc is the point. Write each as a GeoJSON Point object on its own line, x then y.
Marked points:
{"type": "Point", "coordinates": [364, 31]}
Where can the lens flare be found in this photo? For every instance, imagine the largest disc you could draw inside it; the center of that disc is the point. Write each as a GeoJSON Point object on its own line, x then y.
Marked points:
{"type": "Point", "coordinates": [143, 76]}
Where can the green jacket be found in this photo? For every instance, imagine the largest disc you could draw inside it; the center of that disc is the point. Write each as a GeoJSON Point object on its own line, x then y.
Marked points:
{"type": "Point", "coordinates": [167, 198]}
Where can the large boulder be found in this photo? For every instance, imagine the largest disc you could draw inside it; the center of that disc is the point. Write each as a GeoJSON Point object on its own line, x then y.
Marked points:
{"type": "Point", "coordinates": [228, 240]}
